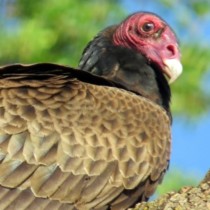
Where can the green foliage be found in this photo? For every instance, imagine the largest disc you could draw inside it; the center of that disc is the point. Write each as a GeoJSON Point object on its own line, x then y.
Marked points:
{"type": "Point", "coordinates": [188, 94]}
{"type": "Point", "coordinates": [53, 31]}
{"type": "Point", "coordinates": [174, 180]}
{"type": "Point", "coordinates": [201, 7]}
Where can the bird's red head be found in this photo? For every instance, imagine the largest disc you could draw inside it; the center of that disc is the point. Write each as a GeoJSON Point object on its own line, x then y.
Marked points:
{"type": "Point", "coordinates": [153, 38]}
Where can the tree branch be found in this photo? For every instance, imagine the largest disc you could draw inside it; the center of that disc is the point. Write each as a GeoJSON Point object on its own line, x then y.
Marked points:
{"type": "Point", "coordinates": [187, 198]}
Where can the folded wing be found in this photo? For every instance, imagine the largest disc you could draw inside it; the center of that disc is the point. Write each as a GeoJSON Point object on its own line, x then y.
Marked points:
{"type": "Point", "coordinates": [71, 140]}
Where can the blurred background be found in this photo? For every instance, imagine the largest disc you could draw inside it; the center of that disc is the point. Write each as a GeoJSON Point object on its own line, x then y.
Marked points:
{"type": "Point", "coordinates": [57, 31]}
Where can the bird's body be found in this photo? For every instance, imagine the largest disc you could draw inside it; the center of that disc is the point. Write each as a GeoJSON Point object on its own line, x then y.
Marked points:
{"type": "Point", "coordinates": [73, 140]}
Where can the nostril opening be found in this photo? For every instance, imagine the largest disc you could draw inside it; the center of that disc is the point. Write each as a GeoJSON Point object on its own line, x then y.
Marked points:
{"type": "Point", "coordinates": [171, 49]}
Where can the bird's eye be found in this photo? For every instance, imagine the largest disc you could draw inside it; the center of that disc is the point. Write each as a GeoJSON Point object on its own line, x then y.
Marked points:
{"type": "Point", "coordinates": [147, 27]}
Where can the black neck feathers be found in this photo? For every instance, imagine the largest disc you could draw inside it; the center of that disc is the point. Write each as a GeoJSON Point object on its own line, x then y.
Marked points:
{"type": "Point", "coordinates": [127, 67]}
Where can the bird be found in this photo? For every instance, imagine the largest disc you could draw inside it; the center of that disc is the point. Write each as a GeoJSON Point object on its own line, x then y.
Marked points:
{"type": "Point", "coordinates": [97, 137]}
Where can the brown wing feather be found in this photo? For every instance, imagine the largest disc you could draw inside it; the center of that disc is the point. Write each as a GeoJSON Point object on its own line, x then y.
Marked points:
{"type": "Point", "coordinates": [78, 143]}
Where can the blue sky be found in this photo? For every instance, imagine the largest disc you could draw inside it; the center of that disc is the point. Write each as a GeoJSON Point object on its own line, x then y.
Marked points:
{"type": "Point", "coordinates": [191, 145]}
{"type": "Point", "coordinates": [191, 140]}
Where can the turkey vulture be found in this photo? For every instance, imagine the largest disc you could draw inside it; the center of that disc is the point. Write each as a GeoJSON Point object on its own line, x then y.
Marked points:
{"type": "Point", "coordinates": [96, 138]}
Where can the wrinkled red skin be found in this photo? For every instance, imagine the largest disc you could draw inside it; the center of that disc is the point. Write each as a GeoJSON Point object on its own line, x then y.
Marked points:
{"type": "Point", "coordinates": [156, 45]}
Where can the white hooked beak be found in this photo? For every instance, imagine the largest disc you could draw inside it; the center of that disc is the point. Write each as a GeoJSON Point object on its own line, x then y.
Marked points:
{"type": "Point", "coordinates": [173, 68]}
